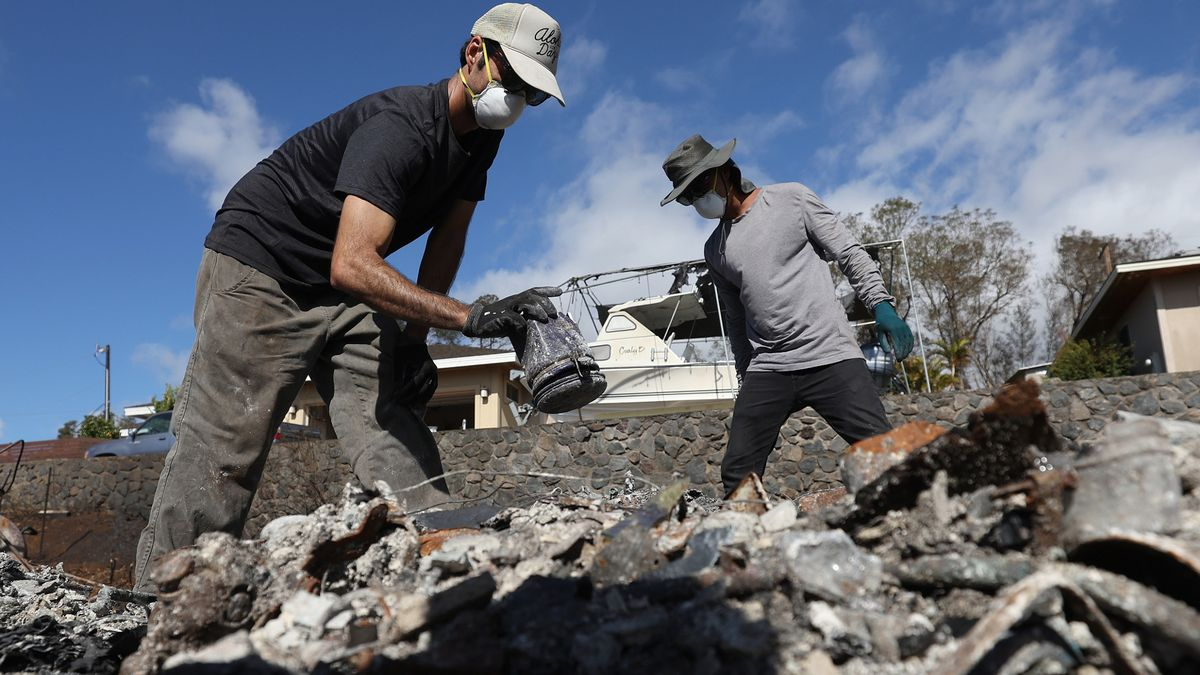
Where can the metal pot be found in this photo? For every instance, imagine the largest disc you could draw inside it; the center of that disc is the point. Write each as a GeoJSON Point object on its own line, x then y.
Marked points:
{"type": "Point", "coordinates": [559, 369]}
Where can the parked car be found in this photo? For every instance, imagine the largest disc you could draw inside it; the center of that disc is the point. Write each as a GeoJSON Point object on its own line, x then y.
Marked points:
{"type": "Point", "coordinates": [290, 433]}
{"type": "Point", "coordinates": [154, 437]}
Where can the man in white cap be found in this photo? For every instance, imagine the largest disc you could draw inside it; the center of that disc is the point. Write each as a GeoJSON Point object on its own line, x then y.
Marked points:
{"type": "Point", "coordinates": [792, 344]}
{"type": "Point", "coordinates": [293, 283]}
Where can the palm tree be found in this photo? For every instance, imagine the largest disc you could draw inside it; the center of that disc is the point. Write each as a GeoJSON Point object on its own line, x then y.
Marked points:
{"type": "Point", "coordinates": [957, 354]}
{"type": "Point", "coordinates": [939, 379]}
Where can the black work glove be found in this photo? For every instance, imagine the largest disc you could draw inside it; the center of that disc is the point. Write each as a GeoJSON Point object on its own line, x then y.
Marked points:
{"type": "Point", "coordinates": [506, 317]}
{"type": "Point", "coordinates": [416, 375]}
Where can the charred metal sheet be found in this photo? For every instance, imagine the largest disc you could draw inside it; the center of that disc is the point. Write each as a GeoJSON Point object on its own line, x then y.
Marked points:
{"type": "Point", "coordinates": [1017, 603]}
{"type": "Point", "coordinates": [749, 496]}
{"type": "Point", "coordinates": [346, 548]}
{"type": "Point", "coordinates": [625, 556]}
{"type": "Point", "coordinates": [703, 551]}
{"type": "Point", "coordinates": [867, 459]}
{"type": "Point", "coordinates": [1127, 482]}
{"type": "Point", "coordinates": [466, 517]}
{"type": "Point", "coordinates": [1150, 611]}
{"type": "Point", "coordinates": [1167, 565]}
{"type": "Point", "coordinates": [993, 449]}
{"type": "Point", "coordinates": [958, 571]}
{"type": "Point", "coordinates": [627, 550]}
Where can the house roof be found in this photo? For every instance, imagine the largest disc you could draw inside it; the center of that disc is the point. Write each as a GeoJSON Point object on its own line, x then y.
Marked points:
{"type": "Point", "coordinates": [445, 351]}
{"type": "Point", "coordinates": [498, 358]}
{"type": "Point", "coordinates": [59, 448]}
{"type": "Point", "coordinates": [465, 356]}
{"type": "Point", "coordinates": [1124, 284]}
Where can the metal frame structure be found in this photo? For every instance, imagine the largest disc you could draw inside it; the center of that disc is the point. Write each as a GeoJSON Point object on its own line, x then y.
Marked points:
{"type": "Point", "coordinates": [584, 286]}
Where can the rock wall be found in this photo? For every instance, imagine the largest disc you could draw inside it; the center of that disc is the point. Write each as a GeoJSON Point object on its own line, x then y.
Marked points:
{"type": "Point", "coordinates": [589, 456]}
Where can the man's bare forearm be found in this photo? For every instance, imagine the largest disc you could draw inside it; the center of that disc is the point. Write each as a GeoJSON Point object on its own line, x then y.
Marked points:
{"type": "Point", "coordinates": [385, 289]}
{"type": "Point", "coordinates": [442, 258]}
{"type": "Point", "coordinates": [358, 268]}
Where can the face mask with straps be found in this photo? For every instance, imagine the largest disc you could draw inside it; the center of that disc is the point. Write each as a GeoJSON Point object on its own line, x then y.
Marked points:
{"type": "Point", "coordinates": [495, 107]}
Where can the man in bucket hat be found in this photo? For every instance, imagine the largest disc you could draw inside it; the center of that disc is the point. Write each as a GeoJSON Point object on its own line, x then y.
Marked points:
{"type": "Point", "coordinates": [294, 284]}
{"type": "Point", "coordinates": [791, 341]}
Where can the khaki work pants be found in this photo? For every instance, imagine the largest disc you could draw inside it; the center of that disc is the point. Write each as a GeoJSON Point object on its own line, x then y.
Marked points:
{"type": "Point", "coordinates": [255, 344]}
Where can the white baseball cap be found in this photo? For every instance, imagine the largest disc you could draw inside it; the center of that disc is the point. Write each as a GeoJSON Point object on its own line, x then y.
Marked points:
{"type": "Point", "coordinates": [531, 39]}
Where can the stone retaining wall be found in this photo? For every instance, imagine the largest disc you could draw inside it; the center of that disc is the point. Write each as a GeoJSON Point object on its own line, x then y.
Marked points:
{"type": "Point", "coordinates": [299, 477]}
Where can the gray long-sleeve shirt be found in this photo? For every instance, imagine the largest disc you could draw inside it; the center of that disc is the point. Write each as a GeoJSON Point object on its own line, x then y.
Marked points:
{"type": "Point", "coordinates": [770, 268]}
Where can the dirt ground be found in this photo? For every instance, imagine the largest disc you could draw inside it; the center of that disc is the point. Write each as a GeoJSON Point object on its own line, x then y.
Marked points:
{"type": "Point", "coordinates": [95, 546]}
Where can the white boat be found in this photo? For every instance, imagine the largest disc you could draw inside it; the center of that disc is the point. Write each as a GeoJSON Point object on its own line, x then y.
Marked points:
{"type": "Point", "coordinates": [659, 354]}
{"type": "Point", "coordinates": [667, 352]}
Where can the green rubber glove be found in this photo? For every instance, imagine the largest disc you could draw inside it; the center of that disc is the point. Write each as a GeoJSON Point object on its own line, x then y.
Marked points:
{"type": "Point", "coordinates": [893, 330]}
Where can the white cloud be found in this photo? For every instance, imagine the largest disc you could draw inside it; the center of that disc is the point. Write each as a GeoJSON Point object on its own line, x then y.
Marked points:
{"type": "Point", "coordinates": [581, 58]}
{"type": "Point", "coordinates": [166, 365]}
{"type": "Point", "coordinates": [217, 141]}
{"type": "Point", "coordinates": [2, 437]}
{"type": "Point", "coordinates": [1047, 133]}
{"type": "Point", "coordinates": [864, 71]}
{"type": "Point", "coordinates": [771, 21]}
{"type": "Point", "coordinates": [679, 80]}
{"type": "Point", "coordinates": [757, 132]}
{"type": "Point", "coordinates": [609, 217]}
{"type": "Point", "coordinates": [181, 322]}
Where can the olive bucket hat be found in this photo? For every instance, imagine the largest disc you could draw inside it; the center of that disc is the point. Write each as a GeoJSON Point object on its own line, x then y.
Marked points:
{"type": "Point", "coordinates": [691, 158]}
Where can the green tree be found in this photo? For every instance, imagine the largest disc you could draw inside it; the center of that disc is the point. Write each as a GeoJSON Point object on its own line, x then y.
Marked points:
{"type": "Point", "coordinates": [1082, 260]}
{"type": "Point", "coordinates": [939, 379]}
{"type": "Point", "coordinates": [167, 402]}
{"type": "Point", "coordinates": [1013, 342]}
{"type": "Point", "coordinates": [69, 429]}
{"type": "Point", "coordinates": [1087, 359]}
{"type": "Point", "coordinates": [968, 267]}
{"type": "Point", "coordinates": [95, 426]}
{"type": "Point", "coordinates": [445, 336]}
{"type": "Point", "coordinates": [956, 356]}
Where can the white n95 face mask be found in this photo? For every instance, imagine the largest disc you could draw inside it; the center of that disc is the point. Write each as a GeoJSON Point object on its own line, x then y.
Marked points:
{"type": "Point", "coordinates": [495, 107]}
{"type": "Point", "coordinates": [711, 206]}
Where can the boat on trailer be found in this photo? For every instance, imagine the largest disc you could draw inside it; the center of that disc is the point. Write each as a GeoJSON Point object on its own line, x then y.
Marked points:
{"type": "Point", "coordinates": [661, 353]}
{"type": "Point", "coordinates": [666, 351]}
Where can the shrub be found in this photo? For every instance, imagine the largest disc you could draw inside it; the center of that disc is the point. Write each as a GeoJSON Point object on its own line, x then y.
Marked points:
{"type": "Point", "coordinates": [95, 426]}
{"type": "Point", "coordinates": [1088, 359]}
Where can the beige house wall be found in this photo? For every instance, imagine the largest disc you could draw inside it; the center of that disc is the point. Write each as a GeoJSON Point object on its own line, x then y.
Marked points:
{"type": "Point", "coordinates": [1141, 318]}
{"type": "Point", "coordinates": [491, 411]}
{"type": "Point", "coordinates": [455, 385]}
{"type": "Point", "coordinates": [1179, 318]}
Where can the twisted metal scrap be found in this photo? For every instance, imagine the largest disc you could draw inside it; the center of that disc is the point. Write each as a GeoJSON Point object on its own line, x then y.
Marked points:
{"type": "Point", "coordinates": [1091, 595]}
{"type": "Point", "coordinates": [1018, 602]}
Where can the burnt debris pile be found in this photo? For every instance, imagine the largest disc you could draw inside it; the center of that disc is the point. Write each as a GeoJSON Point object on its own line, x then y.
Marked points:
{"type": "Point", "coordinates": [991, 548]}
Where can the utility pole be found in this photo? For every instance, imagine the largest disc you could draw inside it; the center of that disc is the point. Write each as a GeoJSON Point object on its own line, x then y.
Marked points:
{"type": "Point", "coordinates": [107, 351]}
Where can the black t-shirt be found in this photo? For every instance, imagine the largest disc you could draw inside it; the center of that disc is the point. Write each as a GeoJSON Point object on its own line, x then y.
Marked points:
{"type": "Point", "coordinates": [395, 149]}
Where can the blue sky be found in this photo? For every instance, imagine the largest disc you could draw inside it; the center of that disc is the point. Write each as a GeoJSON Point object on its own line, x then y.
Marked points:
{"type": "Point", "coordinates": [123, 123]}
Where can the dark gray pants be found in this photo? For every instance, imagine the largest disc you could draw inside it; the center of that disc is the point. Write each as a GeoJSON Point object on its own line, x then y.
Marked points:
{"type": "Point", "coordinates": [255, 345]}
{"type": "Point", "coordinates": [842, 393]}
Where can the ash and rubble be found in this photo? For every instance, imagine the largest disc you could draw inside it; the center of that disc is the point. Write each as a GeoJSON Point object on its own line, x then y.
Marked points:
{"type": "Point", "coordinates": [992, 548]}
